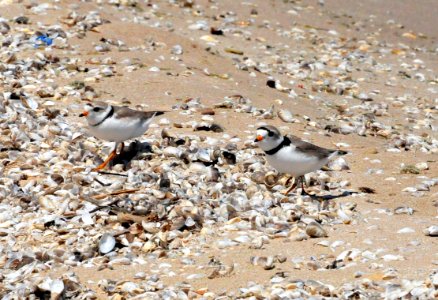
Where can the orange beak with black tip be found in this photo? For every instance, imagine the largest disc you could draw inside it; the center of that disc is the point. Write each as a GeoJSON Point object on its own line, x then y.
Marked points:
{"type": "Point", "coordinates": [258, 138]}
{"type": "Point", "coordinates": [84, 114]}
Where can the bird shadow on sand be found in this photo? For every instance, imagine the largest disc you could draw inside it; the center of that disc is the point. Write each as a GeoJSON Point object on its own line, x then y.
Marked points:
{"type": "Point", "coordinates": [325, 199]}
{"type": "Point", "coordinates": [331, 197]}
{"type": "Point", "coordinates": [134, 149]}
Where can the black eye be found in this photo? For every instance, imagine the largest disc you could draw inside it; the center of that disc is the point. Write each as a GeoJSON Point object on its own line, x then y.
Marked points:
{"type": "Point", "coordinates": [271, 133]}
{"type": "Point", "coordinates": [96, 109]}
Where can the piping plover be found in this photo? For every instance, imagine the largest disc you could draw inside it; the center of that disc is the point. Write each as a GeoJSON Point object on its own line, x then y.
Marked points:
{"type": "Point", "coordinates": [116, 124]}
{"type": "Point", "coordinates": [291, 155]}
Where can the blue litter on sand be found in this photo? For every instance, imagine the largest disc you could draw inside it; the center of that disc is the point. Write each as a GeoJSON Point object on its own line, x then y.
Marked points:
{"type": "Point", "coordinates": [44, 39]}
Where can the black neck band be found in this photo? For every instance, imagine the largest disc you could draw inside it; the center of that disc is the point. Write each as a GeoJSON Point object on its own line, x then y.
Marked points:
{"type": "Point", "coordinates": [286, 142]}
{"type": "Point", "coordinates": [110, 113]}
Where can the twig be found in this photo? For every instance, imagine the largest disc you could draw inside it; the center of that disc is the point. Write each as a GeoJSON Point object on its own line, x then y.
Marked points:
{"type": "Point", "coordinates": [120, 232]}
{"type": "Point", "coordinates": [100, 206]}
{"type": "Point", "coordinates": [98, 203]}
{"type": "Point", "coordinates": [101, 183]}
{"type": "Point", "coordinates": [95, 202]}
{"type": "Point", "coordinates": [95, 199]}
{"type": "Point", "coordinates": [109, 173]}
{"type": "Point", "coordinates": [119, 192]}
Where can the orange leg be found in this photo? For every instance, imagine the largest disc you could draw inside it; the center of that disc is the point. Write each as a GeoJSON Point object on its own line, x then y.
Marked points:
{"type": "Point", "coordinates": [110, 157]}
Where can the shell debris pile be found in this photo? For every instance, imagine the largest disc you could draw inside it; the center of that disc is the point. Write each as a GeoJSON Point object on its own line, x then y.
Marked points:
{"type": "Point", "coordinates": [55, 210]}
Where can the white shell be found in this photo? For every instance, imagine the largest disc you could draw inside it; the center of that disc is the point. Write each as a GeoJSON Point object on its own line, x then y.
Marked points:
{"type": "Point", "coordinates": [107, 243]}
{"type": "Point", "coordinates": [431, 230]}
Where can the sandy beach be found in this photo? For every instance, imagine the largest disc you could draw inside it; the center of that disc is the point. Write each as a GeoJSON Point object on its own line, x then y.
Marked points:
{"type": "Point", "coordinates": [357, 76]}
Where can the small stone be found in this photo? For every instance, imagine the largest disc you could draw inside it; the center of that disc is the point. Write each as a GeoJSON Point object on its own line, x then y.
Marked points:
{"type": "Point", "coordinates": [216, 31]}
{"type": "Point", "coordinates": [177, 50]}
{"type": "Point", "coordinates": [410, 169]}
{"type": "Point", "coordinates": [392, 257]}
{"type": "Point", "coordinates": [404, 210]}
{"type": "Point", "coordinates": [315, 230]}
{"type": "Point", "coordinates": [358, 274]}
{"type": "Point", "coordinates": [271, 83]}
{"type": "Point", "coordinates": [154, 69]}
{"type": "Point", "coordinates": [4, 27]}
{"type": "Point", "coordinates": [22, 20]}
{"type": "Point", "coordinates": [406, 230]}
{"type": "Point", "coordinates": [422, 166]}
{"type": "Point", "coordinates": [234, 51]}
{"type": "Point", "coordinates": [431, 231]}
{"type": "Point", "coordinates": [207, 111]}
{"type": "Point", "coordinates": [281, 258]}
{"type": "Point", "coordinates": [286, 116]}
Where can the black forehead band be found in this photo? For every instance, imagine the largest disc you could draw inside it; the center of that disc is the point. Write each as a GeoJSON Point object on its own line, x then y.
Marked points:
{"type": "Point", "coordinates": [264, 128]}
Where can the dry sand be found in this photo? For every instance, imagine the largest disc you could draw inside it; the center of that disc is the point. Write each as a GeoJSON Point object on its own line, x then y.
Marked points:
{"type": "Point", "coordinates": [350, 19]}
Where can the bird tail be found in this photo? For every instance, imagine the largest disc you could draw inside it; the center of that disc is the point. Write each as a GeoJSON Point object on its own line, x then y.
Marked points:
{"type": "Point", "coordinates": [335, 153]}
{"type": "Point", "coordinates": [149, 115]}
{"type": "Point", "coordinates": [159, 113]}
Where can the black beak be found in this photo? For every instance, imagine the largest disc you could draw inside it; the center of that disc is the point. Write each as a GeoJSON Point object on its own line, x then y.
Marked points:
{"type": "Point", "coordinates": [81, 115]}
{"type": "Point", "coordinates": [256, 140]}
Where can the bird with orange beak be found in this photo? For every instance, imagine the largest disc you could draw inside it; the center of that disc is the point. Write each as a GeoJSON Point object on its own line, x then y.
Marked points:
{"type": "Point", "coordinates": [116, 124]}
{"type": "Point", "coordinates": [290, 155]}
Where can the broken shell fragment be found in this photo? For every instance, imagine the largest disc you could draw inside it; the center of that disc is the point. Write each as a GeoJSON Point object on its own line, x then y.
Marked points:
{"type": "Point", "coordinates": [267, 262]}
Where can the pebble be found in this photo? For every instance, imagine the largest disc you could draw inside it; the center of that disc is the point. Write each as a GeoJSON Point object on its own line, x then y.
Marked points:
{"type": "Point", "coordinates": [314, 230]}
{"type": "Point", "coordinates": [406, 230]}
{"type": "Point", "coordinates": [422, 166]}
{"type": "Point", "coordinates": [431, 231]}
{"type": "Point", "coordinates": [177, 50]}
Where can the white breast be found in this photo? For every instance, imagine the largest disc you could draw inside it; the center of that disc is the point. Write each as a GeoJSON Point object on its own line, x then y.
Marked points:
{"type": "Point", "coordinates": [295, 163]}
{"type": "Point", "coordinates": [119, 130]}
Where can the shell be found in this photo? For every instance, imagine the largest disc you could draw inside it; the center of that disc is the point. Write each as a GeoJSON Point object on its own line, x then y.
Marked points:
{"type": "Point", "coordinates": [106, 243]}
{"type": "Point", "coordinates": [266, 263]}
{"type": "Point", "coordinates": [286, 116]}
{"type": "Point", "coordinates": [339, 164]}
{"type": "Point", "coordinates": [431, 231]}
{"type": "Point", "coordinates": [314, 230]}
